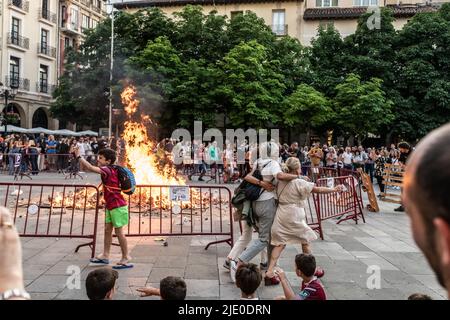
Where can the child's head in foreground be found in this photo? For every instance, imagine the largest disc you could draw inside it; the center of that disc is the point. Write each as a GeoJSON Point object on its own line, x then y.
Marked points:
{"type": "Point", "coordinates": [172, 288]}
{"type": "Point", "coordinates": [100, 284]}
{"type": "Point", "coordinates": [106, 157]}
{"type": "Point", "coordinates": [305, 265]}
{"type": "Point", "coordinates": [248, 278]}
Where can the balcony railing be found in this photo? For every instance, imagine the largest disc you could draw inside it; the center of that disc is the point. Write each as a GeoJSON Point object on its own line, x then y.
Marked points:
{"type": "Point", "coordinates": [44, 87]}
{"type": "Point", "coordinates": [21, 4]}
{"type": "Point", "coordinates": [47, 50]}
{"type": "Point", "coordinates": [47, 15]}
{"type": "Point", "coordinates": [280, 29]}
{"type": "Point", "coordinates": [18, 41]}
{"type": "Point", "coordinates": [20, 83]}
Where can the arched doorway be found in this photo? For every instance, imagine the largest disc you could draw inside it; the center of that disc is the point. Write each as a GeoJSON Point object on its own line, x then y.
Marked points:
{"type": "Point", "coordinates": [40, 119]}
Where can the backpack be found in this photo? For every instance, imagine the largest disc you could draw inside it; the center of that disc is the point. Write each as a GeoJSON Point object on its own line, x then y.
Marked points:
{"type": "Point", "coordinates": [127, 182]}
{"type": "Point", "coordinates": [252, 191]}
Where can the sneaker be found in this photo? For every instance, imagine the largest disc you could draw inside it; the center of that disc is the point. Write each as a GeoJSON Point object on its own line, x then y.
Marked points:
{"type": "Point", "coordinates": [319, 272]}
{"type": "Point", "coordinates": [233, 269]}
{"type": "Point", "coordinates": [399, 209]}
{"type": "Point", "coordinates": [226, 264]}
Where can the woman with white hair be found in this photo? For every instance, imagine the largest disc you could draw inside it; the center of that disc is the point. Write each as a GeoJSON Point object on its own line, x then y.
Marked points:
{"type": "Point", "coordinates": [289, 226]}
{"type": "Point", "coordinates": [265, 206]}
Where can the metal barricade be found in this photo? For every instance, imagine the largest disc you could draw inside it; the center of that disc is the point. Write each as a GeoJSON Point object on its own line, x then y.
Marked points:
{"type": "Point", "coordinates": [343, 205]}
{"type": "Point", "coordinates": [53, 210]}
{"type": "Point", "coordinates": [199, 210]}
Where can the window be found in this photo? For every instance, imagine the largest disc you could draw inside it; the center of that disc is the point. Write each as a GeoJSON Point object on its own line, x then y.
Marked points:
{"type": "Point", "coordinates": [14, 71]}
{"type": "Point", "coordinates": [74, 18]}
{"type": "Point", "coordinates": [85, 22]}
{"type": "Point", "coordinates": [327, 3]}
{"type": "Point", "coordinates": [233, 14]}
{"type": "Point", "coordinates": [94, 23]}
{"type": "Point", "coordinates": [43, 78]}
{"type": "Point", "coordinates": [15, 31]}
{"type": "Point", "coordinates": [278, 22]}
{"type": "Point", "coordinates": [66, 42]}
{"type": "Point", "coordinates": [45, 11]}
{"type": "Point", "coordinates": [365, 3]}
{"type": "Point", "coordinates": [63, 16]}
{"type": "Point", "coordinates": [44, 41]}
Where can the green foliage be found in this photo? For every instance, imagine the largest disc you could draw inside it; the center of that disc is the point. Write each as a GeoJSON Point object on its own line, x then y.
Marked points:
{"type": "Point", "coordinates": [204, 66]}
{"type": "Point", "coordinates": [306, 107]}
{"type": "Point", "coordinates": [361, 107]}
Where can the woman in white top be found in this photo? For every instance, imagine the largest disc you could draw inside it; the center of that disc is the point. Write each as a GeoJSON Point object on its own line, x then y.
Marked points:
{"type": "Point", "coordinates": [289, 226]}
{"type": "Point", "coordinates": [331, 159]}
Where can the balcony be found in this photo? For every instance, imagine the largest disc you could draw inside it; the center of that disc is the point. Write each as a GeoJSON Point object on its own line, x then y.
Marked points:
{"type": "Point", "coordinates": [280, 29]}
{"type": "Point", "coordinates": [46, 50]}
{"type": "Point", "coordinates": [44, 87]}
{"type": "Point", "coordinates": [20, 4]}
{"type": "Point", "coordinates": [19, 41]}
{"type": "Point", "coordinates": [71, 28]}
{"type": "Point", "coordinates": [20, 83]}
{"type": "Point", "coordinates": [47, 15]}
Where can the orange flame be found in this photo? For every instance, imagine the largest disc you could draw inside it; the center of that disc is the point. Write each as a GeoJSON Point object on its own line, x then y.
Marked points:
{"type": "Point", "coordinates": [148, 167]}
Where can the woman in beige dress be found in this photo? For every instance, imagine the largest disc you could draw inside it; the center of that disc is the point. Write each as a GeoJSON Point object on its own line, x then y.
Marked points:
{"type": "Point", "coordinates": [289, 226]}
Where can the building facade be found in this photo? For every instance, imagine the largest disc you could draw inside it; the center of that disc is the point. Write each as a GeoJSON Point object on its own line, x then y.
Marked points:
{"type": "Point", "coordinates": [296, 18]}
{"type": "Point", "coordinates": [32, 52]}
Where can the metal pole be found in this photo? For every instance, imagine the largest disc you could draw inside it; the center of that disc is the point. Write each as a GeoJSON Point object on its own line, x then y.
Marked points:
{"type": "Point", "coordinates": [111, 71]}
{"type": "Point", "coordinates": [6, 108]}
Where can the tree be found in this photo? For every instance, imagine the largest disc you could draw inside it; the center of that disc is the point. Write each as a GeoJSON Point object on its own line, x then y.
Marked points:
{"type": "Point", "coordinates": [251, 86]}
{"type": "Point", "coordinates": [326, 57]}
{"type": "Point", "coordinates": [306, 107]}
{"type": "Point", "coordinates": [423, 73]}
{"type": "Point", "coordinates": [361, 107]}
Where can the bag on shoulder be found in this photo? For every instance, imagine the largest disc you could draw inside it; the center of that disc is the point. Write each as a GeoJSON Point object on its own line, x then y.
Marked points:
{"type": "Point", "coordinates": [127, 182]}
{"type": "Point", "coordinates": [252, 191]}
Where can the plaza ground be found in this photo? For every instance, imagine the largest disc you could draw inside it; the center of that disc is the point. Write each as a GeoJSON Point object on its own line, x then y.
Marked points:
{"type": "Point", "coordinates": [348, 254]}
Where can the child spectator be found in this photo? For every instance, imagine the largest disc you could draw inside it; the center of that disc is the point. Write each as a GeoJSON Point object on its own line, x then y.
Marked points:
{"type": "Point", "coordinates": [100, 284]}
{"type": "Point", "coordinates": [248, 279]}
{"type": "Point", "coordinates": [419, 296]}
{"type": "Point", "coordinates": [311, 289]}
{"type": "Point", "coordinates": [170, 288]}
{"type": "Point", "coordinates": [116, 215]}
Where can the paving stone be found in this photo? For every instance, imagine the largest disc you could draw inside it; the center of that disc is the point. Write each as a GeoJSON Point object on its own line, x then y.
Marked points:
{"type": "Point", "coordinates": [202, 288]}
{"type": "Point", "coordinates": [48, 284]}
{"type": "Point", "coordinates": [159, 273]}
{"type": "Point", "coordinates": [205, 272]}
{"type": "Point", "coordinates": [171, 262]}
{"type": "Point", "coordinates": [229, 292]}
{"type": "Point", "coordinates": [202, 259]}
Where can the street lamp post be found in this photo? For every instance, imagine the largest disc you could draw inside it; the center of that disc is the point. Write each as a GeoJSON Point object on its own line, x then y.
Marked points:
{"type": "Point", "coordinates": [111, 70]}
{"type": "Point", "coordinates": [7, 93]}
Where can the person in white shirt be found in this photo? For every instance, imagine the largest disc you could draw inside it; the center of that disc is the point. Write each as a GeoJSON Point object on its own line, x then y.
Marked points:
{"type": "Point", "coordinates": [264, 207]}
{"type": "Point", "coordinates": [81, 147]}
{"type": "Point", "coordinates": [347, 158]}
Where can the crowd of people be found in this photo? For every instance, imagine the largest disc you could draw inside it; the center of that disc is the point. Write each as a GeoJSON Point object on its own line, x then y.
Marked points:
{"type": "Point", "coordinates": [27, 153]}
{"type": "Point", "coordinates": [281, 190]}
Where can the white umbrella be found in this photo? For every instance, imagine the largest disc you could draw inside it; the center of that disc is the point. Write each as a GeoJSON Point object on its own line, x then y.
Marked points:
{"type": "Point", "coordinates": [41, 130]}
{"type": "Point", "coordinates": [13, 129]}
{"type": "Point", "coordinates": [65, 132]}
{"type": "Point", "coordinates": [88, 133]}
